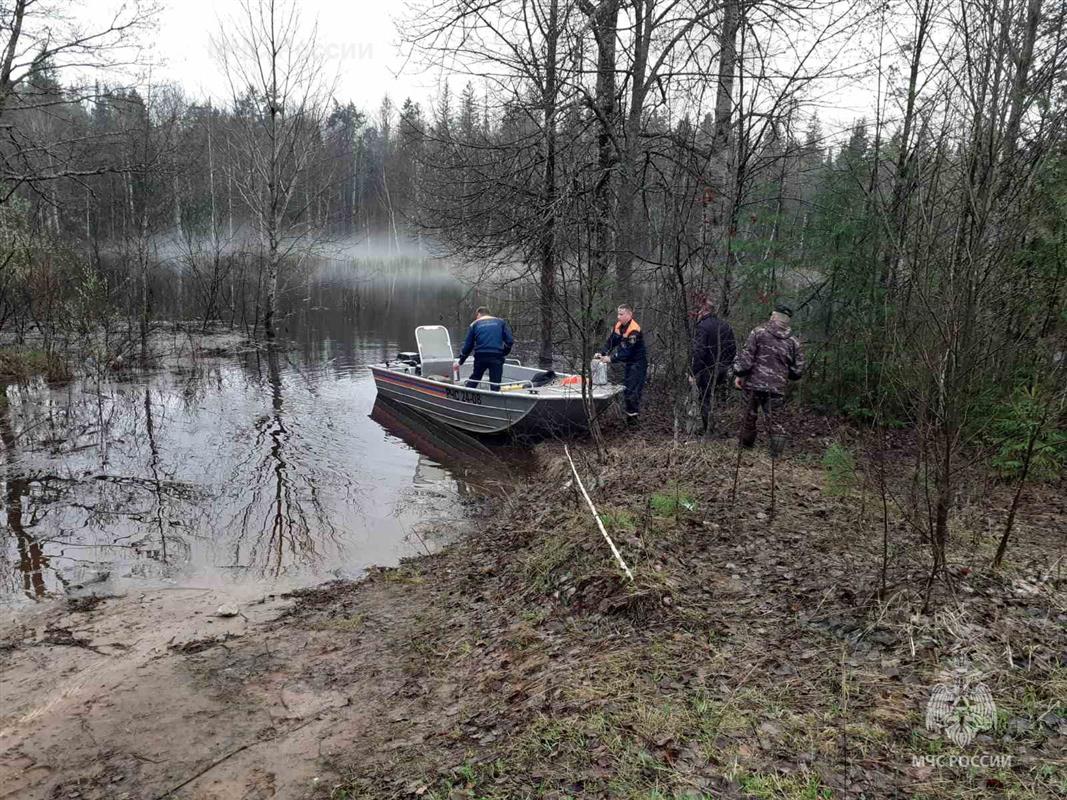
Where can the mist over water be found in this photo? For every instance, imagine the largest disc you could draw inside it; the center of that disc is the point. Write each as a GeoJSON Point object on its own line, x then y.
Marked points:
{"type": "Point", "coordinates": [272, 467]}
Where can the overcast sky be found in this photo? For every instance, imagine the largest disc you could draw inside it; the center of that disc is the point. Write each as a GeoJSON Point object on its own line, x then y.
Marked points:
{"type": "Point", "coordinates": [358, 38]}
{"type": "Point", "coordinates": [360, 45]}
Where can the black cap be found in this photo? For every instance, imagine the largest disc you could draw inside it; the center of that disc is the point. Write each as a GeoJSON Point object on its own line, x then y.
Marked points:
{"type": "Point", "coordinates": [782, 308]}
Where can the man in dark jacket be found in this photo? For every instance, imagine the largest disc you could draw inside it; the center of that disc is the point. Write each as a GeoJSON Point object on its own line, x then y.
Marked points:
{"type": "Point", "coordinates": [490, 339]}
{"type": "Point", "coordinates": [626, 345]}
{"type": "Point", "coordinates": [714, 348]}
{"type": "Point", "coordinates": [770, 359]}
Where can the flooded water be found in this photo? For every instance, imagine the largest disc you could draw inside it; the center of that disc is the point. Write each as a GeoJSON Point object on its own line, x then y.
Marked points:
{"type": "Point", "coordinates": [271, 467]}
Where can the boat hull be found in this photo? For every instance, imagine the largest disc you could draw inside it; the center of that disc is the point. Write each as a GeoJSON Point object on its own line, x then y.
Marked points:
{"type": "Point", "coordinates": [482, 411]}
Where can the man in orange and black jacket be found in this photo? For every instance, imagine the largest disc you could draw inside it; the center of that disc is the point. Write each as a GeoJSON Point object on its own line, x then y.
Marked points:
{"type": "Point", "coordinates": [626, 345]}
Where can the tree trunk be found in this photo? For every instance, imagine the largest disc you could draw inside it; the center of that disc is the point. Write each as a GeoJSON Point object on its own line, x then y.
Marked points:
{"type": "Point", "coordinates": [276, 208]}
{"type": "Point", "coordinates": [605, 25]}
{"type": "Point", "coordinates": [897, 216]}
{"type": "Point", "coordinates": [548, 235]}
{"type": "Point", "coordinates": [7, 78]}
{"type": "Point", "coordinates": [629, 188]}
{"type": "Point", "coordinates": [1023, 60]}
{"type": "Point", "coordinates": [270, 300]}
{"type": "Point", "coordinates": [720, 160]}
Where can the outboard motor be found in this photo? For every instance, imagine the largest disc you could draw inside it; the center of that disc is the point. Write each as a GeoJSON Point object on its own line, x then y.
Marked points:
{"type": "Point", "coordinates": [410, 360]}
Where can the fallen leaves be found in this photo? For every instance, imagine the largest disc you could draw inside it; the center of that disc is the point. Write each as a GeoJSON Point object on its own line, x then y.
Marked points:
{"type": "Point", "coordinates": [745, 647]}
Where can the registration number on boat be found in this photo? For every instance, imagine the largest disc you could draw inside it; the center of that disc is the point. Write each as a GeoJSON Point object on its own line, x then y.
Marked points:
{"type": "Point", "coordinates": [463, 396]}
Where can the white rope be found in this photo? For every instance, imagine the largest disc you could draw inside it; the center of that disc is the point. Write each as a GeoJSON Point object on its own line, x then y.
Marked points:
{"type": "Point", "coordinates": [596, 516]}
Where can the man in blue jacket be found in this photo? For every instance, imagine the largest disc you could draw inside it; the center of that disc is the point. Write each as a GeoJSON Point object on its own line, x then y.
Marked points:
{"type": "Point", "coordinates": [626, 345]}
{"type": "Point", "coordinates": [490, 339]}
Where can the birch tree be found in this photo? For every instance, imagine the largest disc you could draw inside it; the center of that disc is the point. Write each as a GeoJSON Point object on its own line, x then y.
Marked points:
{"type": "Point", "coordinates": [281, 98]}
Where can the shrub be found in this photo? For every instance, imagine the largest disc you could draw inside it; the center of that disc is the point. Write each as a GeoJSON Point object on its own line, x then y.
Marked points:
{"type": "Point", "coordinates": [21, 365]}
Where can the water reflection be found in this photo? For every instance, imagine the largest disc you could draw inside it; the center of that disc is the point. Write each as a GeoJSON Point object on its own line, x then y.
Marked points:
{"type": "Point", "coordinates": [162, 511]}
{"type": "Point", "coordinates": [283, 520]}
{"type": "Point", "coordinates": [265, 466]}
{"type": "Point", "coordinates": [483, 469]}
{"type": "Point", "coordinates": [31, 559]}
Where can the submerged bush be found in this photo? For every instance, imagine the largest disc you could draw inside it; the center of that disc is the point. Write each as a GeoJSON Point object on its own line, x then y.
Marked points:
{"type": "Point", "coordinates": [22, 365]}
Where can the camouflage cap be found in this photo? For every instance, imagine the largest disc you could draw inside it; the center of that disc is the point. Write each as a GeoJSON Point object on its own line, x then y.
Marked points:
{"type": "Point", "coordinates": [783, 308]}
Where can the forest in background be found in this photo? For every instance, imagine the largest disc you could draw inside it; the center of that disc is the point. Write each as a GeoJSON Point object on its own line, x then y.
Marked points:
{"type": "Point", "coordinates": [655, 150]}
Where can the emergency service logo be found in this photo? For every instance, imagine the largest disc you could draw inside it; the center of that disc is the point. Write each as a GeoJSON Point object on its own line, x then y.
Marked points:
{"type": "Point", "coordinates": [960, 705]}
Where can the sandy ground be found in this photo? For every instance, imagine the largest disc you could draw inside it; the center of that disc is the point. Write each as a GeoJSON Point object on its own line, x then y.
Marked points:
{"type": "Point", "coordinates": [155, 695]}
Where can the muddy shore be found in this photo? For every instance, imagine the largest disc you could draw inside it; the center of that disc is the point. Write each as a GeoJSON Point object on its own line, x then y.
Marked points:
{"type": "Point", "coordinates": [753, 656]}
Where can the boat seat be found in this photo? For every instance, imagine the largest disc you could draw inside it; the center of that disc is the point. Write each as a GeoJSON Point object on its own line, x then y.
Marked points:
{"type": "Point", "coordinates": [435, 351]}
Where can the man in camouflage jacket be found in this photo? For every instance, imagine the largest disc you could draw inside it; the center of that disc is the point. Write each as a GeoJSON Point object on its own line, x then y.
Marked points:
{"type": "Point", "coordinates": [771, 358]}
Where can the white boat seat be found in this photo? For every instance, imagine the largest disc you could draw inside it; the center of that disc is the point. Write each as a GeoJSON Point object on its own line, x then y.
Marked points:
{"type": "Point", "coordinates": [435, 351]}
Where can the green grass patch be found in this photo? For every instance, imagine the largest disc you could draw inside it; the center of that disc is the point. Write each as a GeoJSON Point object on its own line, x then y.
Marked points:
{"type": "Point", "coordinates": [772, 786]}
{"type": "Point", "coordinates": [673, 502]}
{"type": "Point", "coordinates": [565, 556]}
{"type": "Point", "coordinates": [839, 469]}
{"type": "Point", "coordinates": [618, 520]}
{"type": "Point", "coordinates": [548, 559]}
{"type": "Point", "coordinates": [472, 780]}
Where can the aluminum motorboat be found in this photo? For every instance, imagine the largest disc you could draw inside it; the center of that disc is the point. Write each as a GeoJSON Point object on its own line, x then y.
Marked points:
{"type": "Point", "coordinates": [527, 400]}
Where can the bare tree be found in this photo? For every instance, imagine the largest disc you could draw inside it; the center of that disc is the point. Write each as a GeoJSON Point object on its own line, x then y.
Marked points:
{"type": "Point", "coordinates": [604, 24]}
{"type": "Point", "coordinates": [521, 49]}
{"type": "Point", "coordinates": [281, 97]}
{"type": "Point", "coordinates": [40, 40]}
{"type": "Point", "coordinates": [993, 123]}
